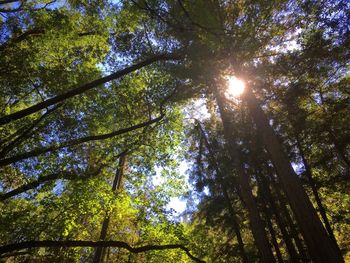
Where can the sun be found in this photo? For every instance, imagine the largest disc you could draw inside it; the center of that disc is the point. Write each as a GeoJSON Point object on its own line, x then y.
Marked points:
{"type": "Point", "coordinates": [235, 86]}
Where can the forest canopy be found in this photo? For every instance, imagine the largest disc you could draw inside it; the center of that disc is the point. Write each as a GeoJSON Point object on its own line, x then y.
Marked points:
{"type": "Point", "coordinates": [111, 111]}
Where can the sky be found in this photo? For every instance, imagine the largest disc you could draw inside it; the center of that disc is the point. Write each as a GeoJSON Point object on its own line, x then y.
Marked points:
{"type": "Point", "coordinates": [196, 109]}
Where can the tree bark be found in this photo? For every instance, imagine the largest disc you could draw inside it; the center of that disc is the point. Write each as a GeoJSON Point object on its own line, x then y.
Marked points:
{"type": "Point", "coordinates": [308, 173]}
{"type": "Point", "coordinates": [272, 231]}
{"type": "Point", "coordinates": [268, 198]}
{"type": "Point", "coordinates": [293, 229]}
{"type": "Point", "coordinates": [320, 246]}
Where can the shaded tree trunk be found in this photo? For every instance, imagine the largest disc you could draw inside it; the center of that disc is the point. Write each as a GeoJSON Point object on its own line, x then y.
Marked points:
{"type": "Point", "coordinates": [263, 183]}
{"type": "Point", "coordinates": [293, 229]}
{"type": "Point", "coordinates": [320, 246]}
{"type": "Point", "coordinates": [308, 173]}
{"type": "Point", "coordinates": [272, 231]}
{"type": "Point", "coordinates": [226, 197]}
{"type": "Point", "coordinates": [249, 201]}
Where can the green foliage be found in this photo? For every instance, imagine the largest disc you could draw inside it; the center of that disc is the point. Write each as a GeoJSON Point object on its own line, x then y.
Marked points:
{"type": "Point", "coordinates": [293, 54]}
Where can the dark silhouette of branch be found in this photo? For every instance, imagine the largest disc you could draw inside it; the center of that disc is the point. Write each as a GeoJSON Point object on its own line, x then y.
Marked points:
{"type": "Point", "coordinates": [82, 243]}
{"type": "Point", "coordinates": [3, 2]}
{"type": "Point", "coordinates": [69, 175]}
{"type": "Point", "coordinates": [22, 37]}
{"type": "Point", "coordinates": [207, 29]}
{"type": "Point", "coordinates": [157, 13]}
{"type": "Point", "coordinates": [27, 132]}
{"type": "Point", "coordinates": [81, 89]}
{"type": "Point", "coordinates": [35, 32]}
{"type": "Point", "coordinates": [9, 10]}
{"type": "Point", "coordinates": [78, 141]}
{"type": "Point", "coordinates": [15, 254]}
{"type": "Point", "coordinates": [22, 6]}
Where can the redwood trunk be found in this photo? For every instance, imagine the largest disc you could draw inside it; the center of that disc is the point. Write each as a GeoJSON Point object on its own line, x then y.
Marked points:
{"type": "Point", "coordinates": [312, 184]}
{"type": "Point", "coordinates": [280, 222]}
{"type": "Point", "coordinates": [226, 197]}
{"type": "Point", "coordinates": [320, 246]}
{"type": "Point", "coordinates": [256, 223]}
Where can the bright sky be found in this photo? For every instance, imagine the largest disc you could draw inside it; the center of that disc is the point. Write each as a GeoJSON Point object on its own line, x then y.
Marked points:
{"type": "Point", "coordinates": [176, 203]}
{"type": "Point", "coordinates": [195, 109]}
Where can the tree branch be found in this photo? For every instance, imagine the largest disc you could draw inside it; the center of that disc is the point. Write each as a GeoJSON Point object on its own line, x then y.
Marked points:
{"type": "Point", "coordinates": [78, 141]}
{"type": "Point", "coordinates": [81, 89]}
{"type": "Point", "coordinates": [69, 175]}
{"type": "Point", "coordinates": [26, 132]}
{"type": "Point", "coordinates": [3, 2]}
{"type": "Point", "coordinates": [81, 243]}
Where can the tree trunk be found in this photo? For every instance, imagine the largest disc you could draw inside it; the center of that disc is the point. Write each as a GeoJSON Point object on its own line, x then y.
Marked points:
{"type": "Point", "coordinates": [267, 212]}
{"type": "Point", "coordinates": [256, 223]}
{"type": "Point", "coordinates": [293, 229]}
{"type": "Point", "coordinates": [280, 222]}
{"type": "Point", "coordinates": [320, 246]}
{"type": "Point", "coordinates": [312, 184]}
{"type": "Point", "coordinates": [99, 251]}
{"type": "Point", "coordinates": [226, 196]}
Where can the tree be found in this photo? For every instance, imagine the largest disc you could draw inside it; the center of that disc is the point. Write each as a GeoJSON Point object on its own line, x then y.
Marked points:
{"type": "Point", "coordinates": [85, 83]}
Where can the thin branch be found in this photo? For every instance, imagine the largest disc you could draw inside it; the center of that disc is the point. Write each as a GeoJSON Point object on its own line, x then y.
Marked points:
{"type": "Point", "coordinates": [36, 183]}
{"type": "Point", "coordinates": [209, 30]}
{"type": "Point", "coordinates": [22, 37]}
{"type": "Point", "coordinates": [15, 254]}
{"type": "Point", "coordinates": [78, 141]}
{"type": "Point", "coordinates": [27, 132]}
{"type": "Point", "coordinates": [2, 10]}
{"type": "Point", "coordinates": [82, 243]}
{"type": "Point", "coordinates": [68, 175]}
